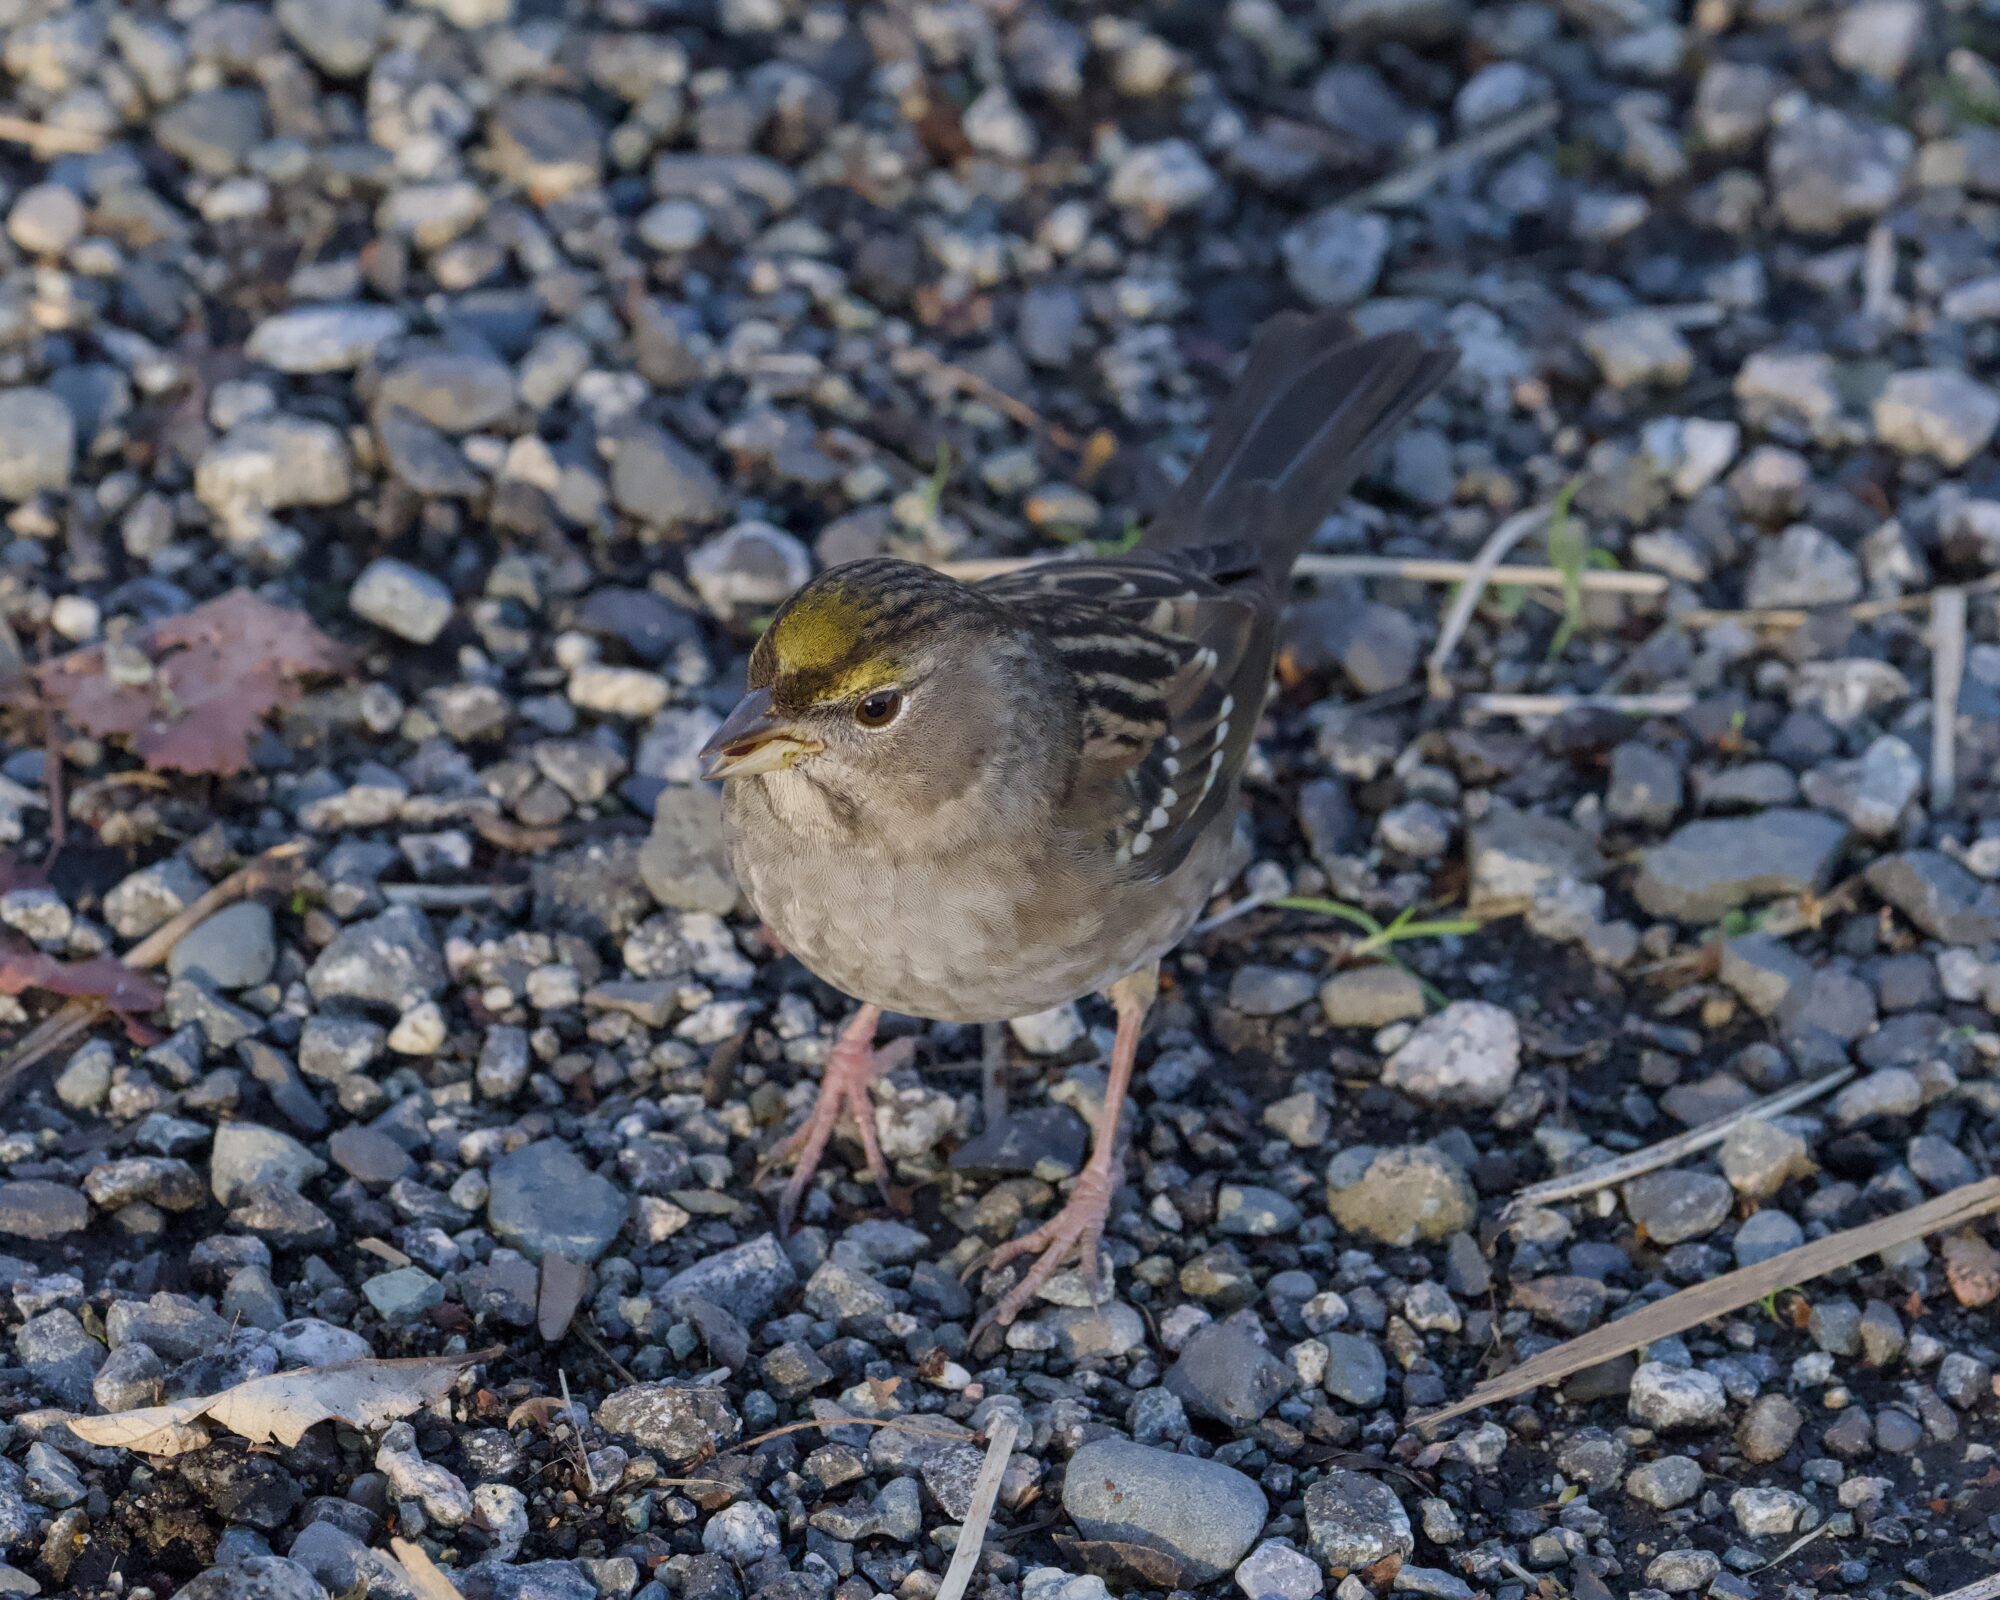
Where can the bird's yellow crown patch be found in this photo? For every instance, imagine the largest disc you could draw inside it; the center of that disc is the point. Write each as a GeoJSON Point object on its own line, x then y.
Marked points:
{"type": "Point", "coordinates": [846, 632]}
{"type": "Point", "coordinates": [820, 627]}
{"type": "Point", "coordinates": [825, 644]}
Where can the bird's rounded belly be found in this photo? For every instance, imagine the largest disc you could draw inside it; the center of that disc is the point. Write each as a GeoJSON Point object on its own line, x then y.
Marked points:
{"type": "Point", "coordinates": [981, 947]}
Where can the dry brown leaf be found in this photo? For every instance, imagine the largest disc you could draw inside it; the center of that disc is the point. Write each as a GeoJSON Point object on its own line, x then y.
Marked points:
{"type": "Point", "coordinates": [1972, 1267]}
{"type": "Point", "coordinates": [281, 1407]}
{"type": "Point", "coordinates": [1137, 1564]}
{"type": "Point", "coordinates": [100, 978]}
{"type": "Point", "coordinates": [542, 1410]}
{"type": "Point", "coordinates": [190, 692]}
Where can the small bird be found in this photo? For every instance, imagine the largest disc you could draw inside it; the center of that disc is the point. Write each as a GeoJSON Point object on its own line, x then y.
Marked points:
{"type": "Point", "coordinates": [970, 802]}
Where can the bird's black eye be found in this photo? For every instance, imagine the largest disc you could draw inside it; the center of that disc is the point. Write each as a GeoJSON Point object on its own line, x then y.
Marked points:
{"type": "Point", "coordinates": [879, 709]}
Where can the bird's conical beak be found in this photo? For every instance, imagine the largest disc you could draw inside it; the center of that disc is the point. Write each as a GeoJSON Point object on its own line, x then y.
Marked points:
{"type": "Point", "coordinates": [753, 739]}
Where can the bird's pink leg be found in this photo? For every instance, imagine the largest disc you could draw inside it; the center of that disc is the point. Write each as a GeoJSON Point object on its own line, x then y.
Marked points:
{"type": "Point", "coordinates": [849, 1072]}
{"type": "Point", "coordinates": [1077, 1229]}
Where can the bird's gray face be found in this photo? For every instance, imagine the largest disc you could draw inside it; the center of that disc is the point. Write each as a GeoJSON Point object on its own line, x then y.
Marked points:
{"type": "Point", "coordinates": [875, 713]}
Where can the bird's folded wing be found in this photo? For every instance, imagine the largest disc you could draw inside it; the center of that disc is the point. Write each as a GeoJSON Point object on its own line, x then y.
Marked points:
{"type": "Point", "coordinates": [1171, 656]}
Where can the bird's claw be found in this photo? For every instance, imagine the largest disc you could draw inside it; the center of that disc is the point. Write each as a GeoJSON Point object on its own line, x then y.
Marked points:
{"type": "Point", "coordinates": [1076, 1231]}
{"type": "Point", "coordinates": [850, 1073]}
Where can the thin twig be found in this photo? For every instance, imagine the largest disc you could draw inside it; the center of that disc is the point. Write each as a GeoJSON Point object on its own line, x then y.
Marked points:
{"type": "Point", "coordinates": [1466, 601]}
{"type": "Point", "coordinates": [47, 141]}
{"type": "Point", "coordinates": [78, 1017]}
{"type": "Point", "coordinates": [582, 1455]}
{"type": "Point", "coordinates": [1947, 675]}
{"type": "Point", "coordinates": [1668, 1151]}
{"type": "Point", "coordinates": [985, 1491]}
{"type": "Point", "coordinates": [52, 769]}
{"type": "Point", "coordinates": [1809, 912]}
{"type": "Point", "coordinates": [894, 1424]}
{"type": "Point", "coordinates": [1860, 611]}
{"type": "Point", "coordinates": [1717, 1297]}
{"type": "Point", "coordinates": [969, 382]}
{"type": "Point", "coordinates": [250, 878]}
{"type": "Point", "coordinates": [1670, 703]}
{"type": "Point", "coordinates": [1420, 176]}
{"type": "Point", "coordinates": [1242, 908]}
{"type": "Point", "coordinates": [584, 1332]}
{"type": "Point", "coordinates": [1412, 569]}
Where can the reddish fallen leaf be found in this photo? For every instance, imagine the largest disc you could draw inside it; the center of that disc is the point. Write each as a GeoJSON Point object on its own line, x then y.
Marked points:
{"type": "Point", "coordinates": [100, 978]}
{"type": "Point", "coordinates": [190, 692]}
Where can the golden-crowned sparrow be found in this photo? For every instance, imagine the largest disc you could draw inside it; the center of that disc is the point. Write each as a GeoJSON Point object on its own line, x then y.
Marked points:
{"type": "Point", "coordinates": [970, 802]}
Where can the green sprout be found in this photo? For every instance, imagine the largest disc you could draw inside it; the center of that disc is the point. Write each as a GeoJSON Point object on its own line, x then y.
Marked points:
{"type": "Point", "coordinates": [1570, 553]}
{"type": "Point", "coordinates": [1127, 538]}
{"type": "Point", "coordinates": [1379, 938]}
{"type": "Point", "coordinates": [1379, 935]}
{"type": "Point", "coordinates": [937, 482]}
{"type": "Point", "coordinates": [1507, 599]}
{"type": "Point", "coordinates": [1963, 104]}
{"type": "Point", "coordinates": [1735, 924]}
{"type": "Point", "coordinates": [1074, 536]}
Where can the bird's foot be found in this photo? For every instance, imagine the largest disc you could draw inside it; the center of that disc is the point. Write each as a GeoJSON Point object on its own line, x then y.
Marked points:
{"type": "Point", "coordinates": [849, 1074]}
{"type": "Point", "coordinates": [1074, 1232]}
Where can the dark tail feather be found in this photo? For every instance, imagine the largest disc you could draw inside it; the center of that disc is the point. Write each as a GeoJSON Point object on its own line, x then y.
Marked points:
{"type": "Point", "coordinates": [1315, 402]}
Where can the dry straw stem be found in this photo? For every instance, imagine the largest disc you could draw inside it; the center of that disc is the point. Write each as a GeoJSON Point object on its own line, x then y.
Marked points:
{"type": "Point", "coordinates": [1459, 616]}
{"type": "Point", "coordinates": [1947, 676]}
{"type": "Point", "coordinates": [1412, 569]}
{"type": "Point", "coordinates": [1861, 611]}
{"type": "Point", "coordinates": [1419, 569]}
{"type": "Point", "coordinates": [1668, 1151]}
{"type": "Point", "coordinates": [985, 1491]}
{"type": "Point", "coordinates": [1417, 179]}
{"type": "Point", "coordinates": [47, 141]}
{"type": "Point", "coordinates": [1731, 1292]}
{"type": "Point", "coordinates": [424, 1574]}
{"type": "Point", "coordinates": [1670, 703]}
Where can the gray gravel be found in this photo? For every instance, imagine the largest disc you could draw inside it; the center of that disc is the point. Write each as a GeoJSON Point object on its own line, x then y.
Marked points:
{"type": "Point", "coordinates": [536, 353]}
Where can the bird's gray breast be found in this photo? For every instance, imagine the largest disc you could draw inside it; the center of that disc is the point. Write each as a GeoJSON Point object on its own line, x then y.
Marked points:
{"type": "Point", "coordinates": [981, 934]}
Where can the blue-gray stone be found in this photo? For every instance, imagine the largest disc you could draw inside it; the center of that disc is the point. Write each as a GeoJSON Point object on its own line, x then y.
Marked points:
{"type": "Point", "coordinates": [544, 1200]}
{"type": "Point", "coordinates": [747, 1281]}
{"type": "Point", "coordinates": [1201, 1514]}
